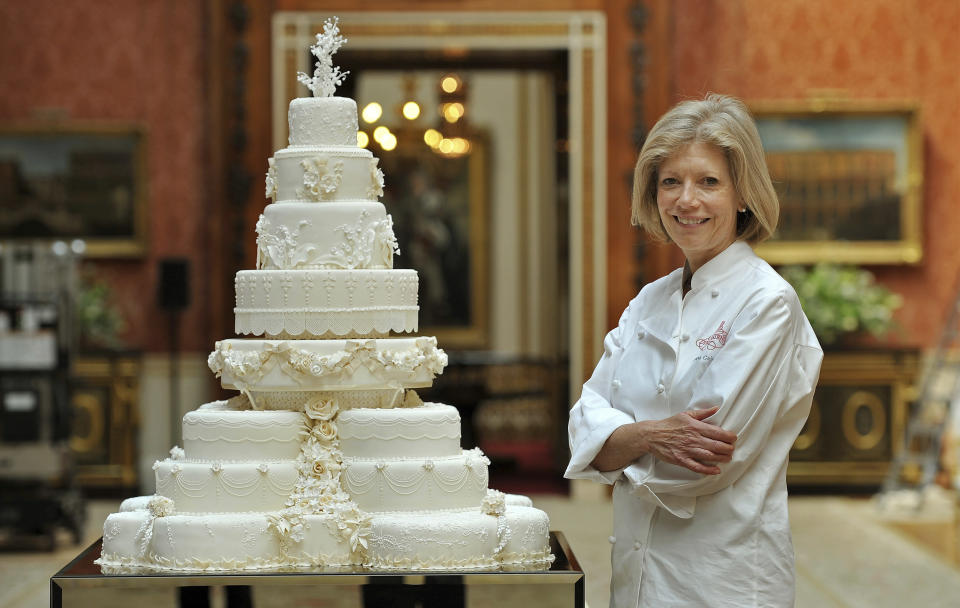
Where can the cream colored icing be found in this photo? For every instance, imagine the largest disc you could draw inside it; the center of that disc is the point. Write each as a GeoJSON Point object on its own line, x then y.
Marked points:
{"type": "Point", "coordinates": [430, 430]}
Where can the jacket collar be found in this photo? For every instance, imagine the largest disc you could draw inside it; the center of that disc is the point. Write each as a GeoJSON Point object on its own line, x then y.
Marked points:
{"type": "Point", "coordinates": [721, 265]}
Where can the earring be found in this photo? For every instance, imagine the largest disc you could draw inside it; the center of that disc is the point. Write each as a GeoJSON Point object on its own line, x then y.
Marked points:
{"type": "Point", "coordinates": [742, 210]}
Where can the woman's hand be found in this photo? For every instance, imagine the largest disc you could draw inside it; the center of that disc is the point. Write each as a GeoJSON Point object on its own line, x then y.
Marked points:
{"type": "Point", "coordinates": [686, 440]}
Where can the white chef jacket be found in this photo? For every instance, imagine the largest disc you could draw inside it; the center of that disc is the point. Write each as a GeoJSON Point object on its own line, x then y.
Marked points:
{"type": "Point", "coordinates": [740, 340]}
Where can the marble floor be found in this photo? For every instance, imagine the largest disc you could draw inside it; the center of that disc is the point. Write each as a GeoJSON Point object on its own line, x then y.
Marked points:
{"type": "Point", "coordinates": [846, 557]}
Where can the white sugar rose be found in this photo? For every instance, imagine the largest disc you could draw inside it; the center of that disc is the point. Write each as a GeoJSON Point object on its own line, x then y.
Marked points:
{"type": "Point", "coordinates": [325, 430]}
{"type": "Point", "coordinates": [177, 453]}
{"type": "Point", "coordinates": [321, 409]}
{"type": "Point", "coordinates": [319, 468]}
{"type": "Point", "coordinates": [161, 506]}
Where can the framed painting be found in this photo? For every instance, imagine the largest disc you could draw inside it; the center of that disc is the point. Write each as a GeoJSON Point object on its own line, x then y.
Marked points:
{"type": "Point", "coordinates": [74, 181]}
{"type": "Point", "coordinates": [439, 209]}
{"type": "Point", "coordinates": [849, 177]}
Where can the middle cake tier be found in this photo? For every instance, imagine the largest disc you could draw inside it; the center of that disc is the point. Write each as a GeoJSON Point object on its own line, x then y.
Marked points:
{"type": "Point", "coordinates": [326, 365]}
{"type": "Point", "coordinates": [325, 302]}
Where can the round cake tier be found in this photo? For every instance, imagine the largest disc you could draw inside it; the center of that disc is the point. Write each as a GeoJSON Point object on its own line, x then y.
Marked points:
{"type": "Point", "coordinates": [227, 541]}
{"type": "Point", "coordinates": [323, 121]}
{"type": "Point", "coordinates": [467, 539]}
{"type": "Point", "coordinates": [430, 430]}
{"type": "Point", "coordinates": [326, 173]}
{"type": "Point", "coordinates": [205, 487]}
{"type": "Point", "coordinates": [332, 236]}
{"type": "Point", "coordinates": [433, 540]}
{"type": "Point", "coordinates": [318, 302]}
{"type": "Point", "coordinates": [416, 484]}
{"type": "Point", "coordinates": [327, 365]}
{"type": "Point", "coordinates": [529, 540]}
{"type": "Point", "coordinates": [216, 433]}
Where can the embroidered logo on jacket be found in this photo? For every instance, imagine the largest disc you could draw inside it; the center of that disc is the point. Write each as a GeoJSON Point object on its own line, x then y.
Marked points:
{"type": "Point", "coordinates": [715, 341]}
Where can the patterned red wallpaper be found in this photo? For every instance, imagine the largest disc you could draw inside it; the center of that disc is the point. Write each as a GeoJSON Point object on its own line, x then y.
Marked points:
{"type": "Point", "coordinates": [859, 49]}
{"type": "Point", "coordinates": [141, 62]}
{"type": "Point", "coordinates": [145, 62]}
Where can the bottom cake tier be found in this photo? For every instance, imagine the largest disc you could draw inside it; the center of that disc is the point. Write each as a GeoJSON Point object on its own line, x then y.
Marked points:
{"type": "Point", "coordinates": [506, 531]}
{"type": "Point", "coordinates": [218, 541]}
{"type": "Point", "coordinates": [459, 540]}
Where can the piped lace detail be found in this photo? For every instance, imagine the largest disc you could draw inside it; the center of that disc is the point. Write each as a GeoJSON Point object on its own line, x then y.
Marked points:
{"type": "Point", "coordinates": [364, 244]}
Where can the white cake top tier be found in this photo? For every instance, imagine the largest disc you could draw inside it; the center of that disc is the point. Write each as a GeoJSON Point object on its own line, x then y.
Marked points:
{"type": "Point", "coordinates": [323, 121]}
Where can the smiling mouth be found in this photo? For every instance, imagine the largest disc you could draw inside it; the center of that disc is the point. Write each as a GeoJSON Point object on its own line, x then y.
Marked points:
{"type": "Point", "coordinates": [689, 221]}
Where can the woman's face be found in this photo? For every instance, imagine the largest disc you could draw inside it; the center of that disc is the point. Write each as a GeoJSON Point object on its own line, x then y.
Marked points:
{"type": "Point", "coordinates": [698, 202]}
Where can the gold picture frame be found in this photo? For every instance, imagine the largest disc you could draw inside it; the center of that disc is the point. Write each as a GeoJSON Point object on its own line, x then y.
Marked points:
{"type": "Point", "coordinates": [849, 175]}
{"type": "Point", "coordinates": [75, 180]}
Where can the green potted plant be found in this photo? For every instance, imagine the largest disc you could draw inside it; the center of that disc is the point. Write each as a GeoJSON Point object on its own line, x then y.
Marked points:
{"type": "Point", "coordinates": [842, 300]}
{"type": "Point", "coordinates": [99, 322]}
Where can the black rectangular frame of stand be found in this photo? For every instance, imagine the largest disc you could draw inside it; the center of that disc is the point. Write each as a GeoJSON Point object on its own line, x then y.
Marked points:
{"type": "Point", "coordinates": [446, 588]}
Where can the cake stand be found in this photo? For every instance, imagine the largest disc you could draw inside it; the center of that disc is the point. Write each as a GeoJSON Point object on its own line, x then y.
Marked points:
{"type": "Point", "coordinates": [81, 583]}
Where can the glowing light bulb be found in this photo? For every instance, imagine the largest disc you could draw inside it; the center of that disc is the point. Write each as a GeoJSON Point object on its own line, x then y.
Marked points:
{"type": "Point", "coordinates": [450, 83]}
{"type": "Point", "coordinates": [446, 145]}
{"type": "Point", "coordinates": [460, 145]}
{"type": "Point", "coordinates": [380, 133]}
{"type": "Point", "coordinates": [389, 142]}
{"type": "Point", "coordinates": [362, 139]}
{"type": "Point", "coordinates": [432, 137]}
{"type": "Point", "coordinates": [411, 110]}
{"type": "Point", "coordinates": [372, 112]}
{"type": "Point", "coordinates": [452, 112]}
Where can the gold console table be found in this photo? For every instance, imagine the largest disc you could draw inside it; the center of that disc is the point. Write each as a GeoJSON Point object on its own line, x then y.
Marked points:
{"type": "Point", "coordinates": [81, 584]}
{"type": "Point", "coordinates": [857, 421]}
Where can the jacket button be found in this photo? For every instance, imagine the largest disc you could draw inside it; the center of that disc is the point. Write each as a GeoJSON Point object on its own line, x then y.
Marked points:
{"type": "Point", "coordinates": [637, 545]}
{"type": "Point", "coordinates": [612, 539]}
{"type": "Point", "coordinates": [714, 293]}
{"type": "Point", "coordinates": [684, 337]}
{"type": "Point", "coordinates": [615, 384]}
{"type": "Point", "coordinates": [641, 335]}
{"type": "Point", "coordinates": [661, 388]}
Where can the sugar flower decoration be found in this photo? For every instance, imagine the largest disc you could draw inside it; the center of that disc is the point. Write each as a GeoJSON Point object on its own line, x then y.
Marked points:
{"type": "Point", "coordinates": [271, 180]}
{"type": "Point", "coordinates": [494, 503]}
{"type": "Point", "coordinates": [319, 408]}
{"type": "Point", "coordinates": [161, 506]}
{"type": "Point", "coordinates": [326, 77]}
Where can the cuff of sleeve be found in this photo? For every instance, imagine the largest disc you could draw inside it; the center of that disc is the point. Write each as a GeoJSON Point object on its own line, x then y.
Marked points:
{"type": "Point", "coordinates": [586, 449]}
{"type": "Point", "coordinates": [637, 474]}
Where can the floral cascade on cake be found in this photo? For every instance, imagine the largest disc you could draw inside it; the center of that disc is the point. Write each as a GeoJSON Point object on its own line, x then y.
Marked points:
{"type": "Point", "coordinates": [327, 456]}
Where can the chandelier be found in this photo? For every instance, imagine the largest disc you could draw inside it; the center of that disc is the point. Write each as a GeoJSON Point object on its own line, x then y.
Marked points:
{"type": "Point", "coordinates": [449, 136]}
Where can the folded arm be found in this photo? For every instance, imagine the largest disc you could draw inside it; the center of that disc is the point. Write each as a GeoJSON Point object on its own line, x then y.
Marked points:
{"type": "Point", "coordinates": [762, 381]}
{"type": "Point", "coordinates": [683, 439]}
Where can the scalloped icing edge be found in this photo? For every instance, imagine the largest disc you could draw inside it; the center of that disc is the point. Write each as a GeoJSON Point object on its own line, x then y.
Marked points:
{"type": "Point", "coordinates": [324, 323]}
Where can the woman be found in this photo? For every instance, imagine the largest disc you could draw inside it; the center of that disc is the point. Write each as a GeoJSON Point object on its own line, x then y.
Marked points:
{"type": "Point", "coordinates": [705, 383]}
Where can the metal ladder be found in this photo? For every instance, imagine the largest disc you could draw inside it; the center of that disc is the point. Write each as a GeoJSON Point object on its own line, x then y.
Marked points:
{"type": "Point", "coordinates": [915, 467]}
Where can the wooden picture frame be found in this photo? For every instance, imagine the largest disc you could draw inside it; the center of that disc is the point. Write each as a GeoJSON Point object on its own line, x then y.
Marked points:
{"type": "Point", "coordinates": [67, 181]}
{"type": "Point", "coordinates": [849, 176]}
{"type": "Point", "coordinates": [439, 208]}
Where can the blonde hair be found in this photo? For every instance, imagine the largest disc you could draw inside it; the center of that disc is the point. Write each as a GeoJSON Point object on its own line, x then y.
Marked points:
{"type": "Point", "coordinates": [726, 123]}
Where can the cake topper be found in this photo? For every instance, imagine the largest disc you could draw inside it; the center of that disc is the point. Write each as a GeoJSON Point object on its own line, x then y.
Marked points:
{"type": "Point", "coordinates": [327, 77]}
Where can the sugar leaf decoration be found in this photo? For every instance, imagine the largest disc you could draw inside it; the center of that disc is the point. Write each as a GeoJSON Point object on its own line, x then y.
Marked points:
{"type": "Point", "coordinates": [326, 77]}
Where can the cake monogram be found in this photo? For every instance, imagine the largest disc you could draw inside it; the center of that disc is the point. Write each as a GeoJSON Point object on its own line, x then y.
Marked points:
{"type": "Point", "coordinates": [327, 456]}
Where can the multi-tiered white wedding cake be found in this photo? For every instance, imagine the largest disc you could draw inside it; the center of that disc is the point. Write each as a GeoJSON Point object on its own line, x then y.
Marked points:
{"type": "Point", "coordinates": [326, 457]}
